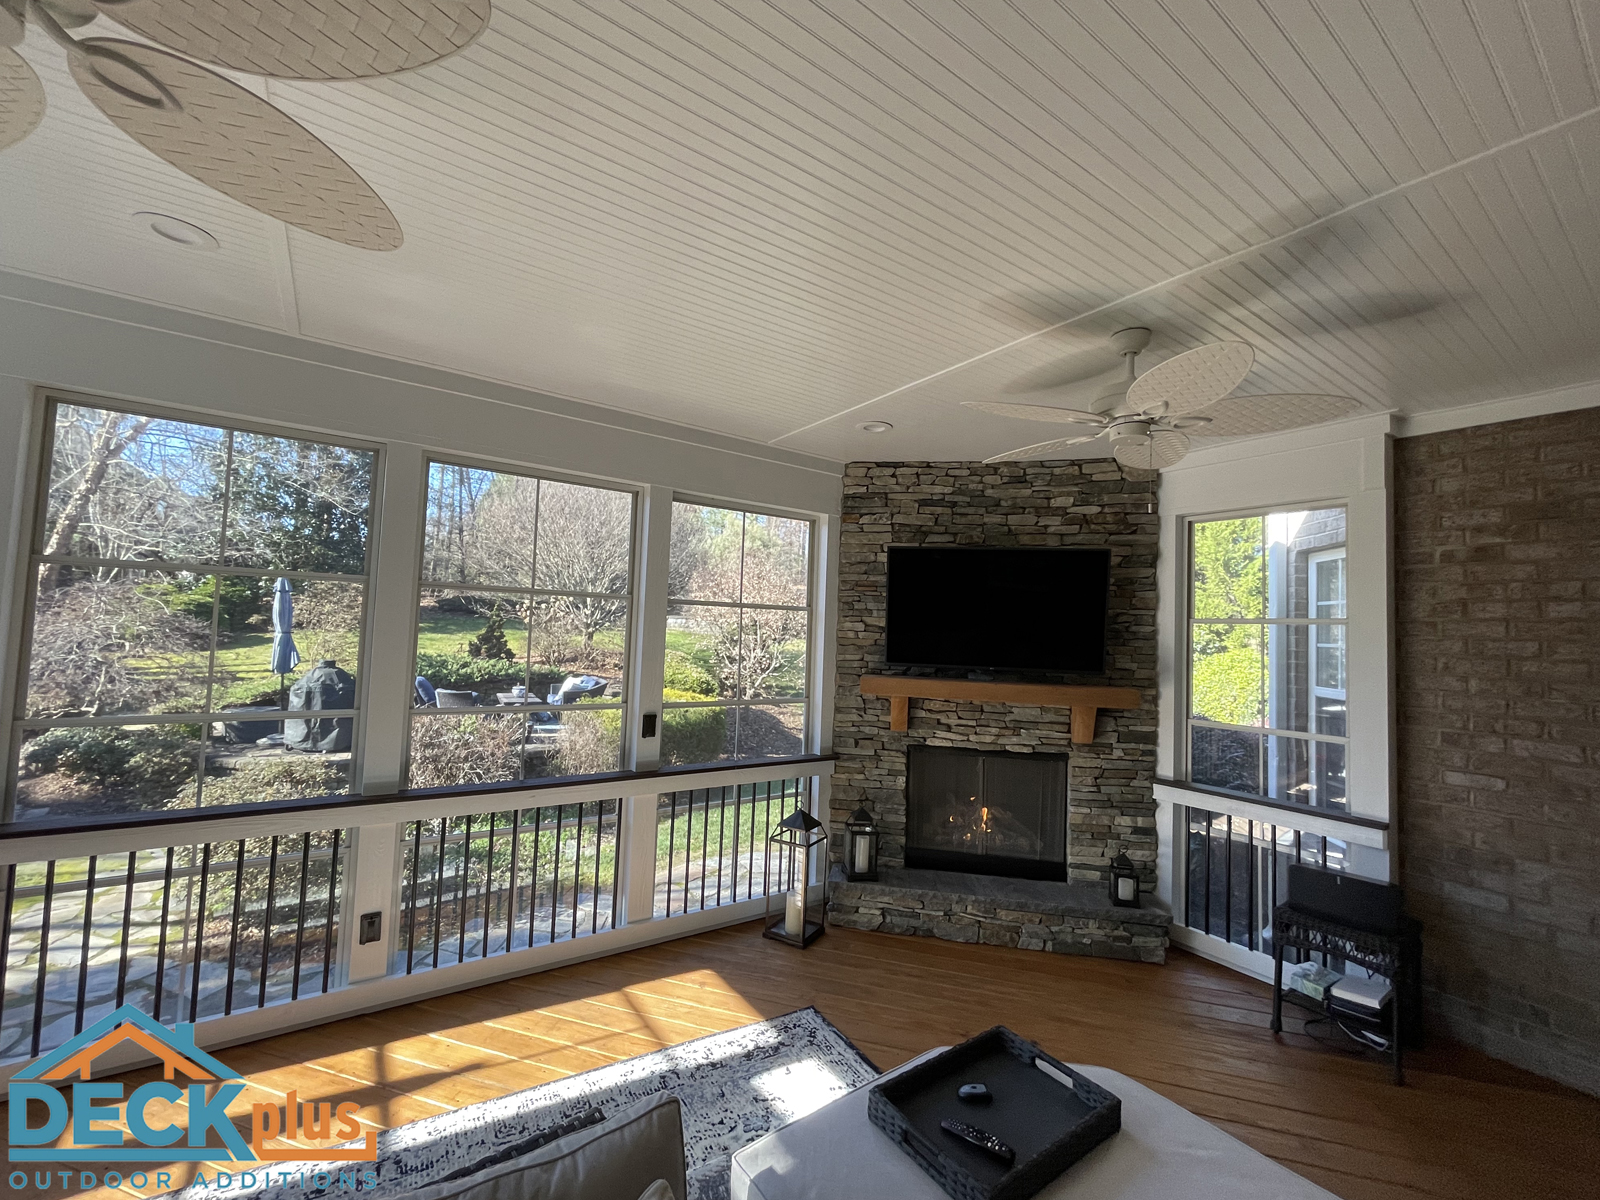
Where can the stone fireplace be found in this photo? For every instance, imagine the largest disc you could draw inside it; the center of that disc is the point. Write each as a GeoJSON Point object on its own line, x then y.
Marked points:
{"type": "Point", "coordinates": [986, 812]}
{"type": "Point", "coordinates": [1045, 886]}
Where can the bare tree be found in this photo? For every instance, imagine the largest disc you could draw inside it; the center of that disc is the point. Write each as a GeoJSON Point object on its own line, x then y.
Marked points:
{"type": "Point", "coordinates": [106, 646]}
{"type": "Point", "coordinates": [114, 434]}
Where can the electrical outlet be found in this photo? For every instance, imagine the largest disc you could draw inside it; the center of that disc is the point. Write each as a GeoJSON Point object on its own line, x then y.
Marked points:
{"type": "Point", "coordinates": [371, 927]}
{"type": "Point", "coordinates": [648, 728]}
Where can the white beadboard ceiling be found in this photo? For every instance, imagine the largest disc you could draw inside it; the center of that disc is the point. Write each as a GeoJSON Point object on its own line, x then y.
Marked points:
{"type": "Point", "coordinates": [780, 219]}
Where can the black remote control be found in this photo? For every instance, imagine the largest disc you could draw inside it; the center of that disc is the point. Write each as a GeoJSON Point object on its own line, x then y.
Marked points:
{"type": "Point", "coordinates": [981, 1138]}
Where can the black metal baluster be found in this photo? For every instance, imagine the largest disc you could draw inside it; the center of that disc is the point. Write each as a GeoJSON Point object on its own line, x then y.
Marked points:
{"type": "Point", "coordinates": [766, 858]}
{"type": "Point", "coordinates": [161, 939]}
{"type": "Point", "coordinates": [688, 848]}
{"type": "Point", "coordinates": [461, 894]}
{"type": "Point", "coordinates": [1251, 935]}
{"type": "Point", "coordinates": [1227, 879]}
{"type": "Point", "coordinates": [44, 953]}
{"type": "Point", "coordinates": [266, 922]}
{"type": "Point", "coordinates": [555, 882]}
{"type": "Point", "coordinates": [1209, 817]}
{"type": "Point", "coordinates": [300, 917]}
{"type": "Point", "coordinates": [533, 880]}
{"type": "Point", "coordinates": [577, 875]}
{"type": "Point", "coordinates": [738, 807]}
{"type": "Point", "coordinates": [127, 928]}
{"type": "Point", "coordinates": [511, 900]}
{"type": "Point", "coordinates": [616, 842]}
{"type": "Point", "coordinates": [83, 953]}
{"type": "Point", "coordinates": [722, 834]}
{"type": "Point", "coordinates": [599, 853]}
{"type": "Point", "coordinates": [411, 907]}
{"type": "Point", "coordinates": [327, 929]}
{"type": "Point", "coordinates": [5, 933]}
{"type": "Point", "coordinates": [438, 887]}
{"type": "Point", "coordinates": [200, 931]}
{"type": "Point", "coordinates": [490, 902]}
{"type": "Point", "coordinates": [233, 935]}
{"type": "Point", "coordinates": [672, 846]}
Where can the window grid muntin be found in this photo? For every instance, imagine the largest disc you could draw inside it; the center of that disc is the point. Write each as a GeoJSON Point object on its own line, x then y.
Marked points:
{"type": "Point", "coordinates": [1266, 732]}
{"type": "Point", "coordinates": [43, 476]}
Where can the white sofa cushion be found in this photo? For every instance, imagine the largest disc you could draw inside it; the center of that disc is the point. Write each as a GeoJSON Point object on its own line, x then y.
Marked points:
{"type": "Point", "coordinates": [622, 1157]}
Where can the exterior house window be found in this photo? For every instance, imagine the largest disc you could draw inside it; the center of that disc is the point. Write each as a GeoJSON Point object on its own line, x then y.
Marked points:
{"type": "Point", "coordinates": [1267, 656]}
{"type": "Point", "coordinates": [188, 583]}
{"type": "Point", "coordinates": [738, 635]}
{"type": "Point", "coordinates": [522, 650]}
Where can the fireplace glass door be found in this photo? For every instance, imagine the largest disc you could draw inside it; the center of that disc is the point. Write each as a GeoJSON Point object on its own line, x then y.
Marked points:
{"type": "Point", "coordinates": [987, 813]}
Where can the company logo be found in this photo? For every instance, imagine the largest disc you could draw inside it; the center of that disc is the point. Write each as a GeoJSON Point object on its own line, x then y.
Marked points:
{"type": "Point", "coordinates": [162, 1134]}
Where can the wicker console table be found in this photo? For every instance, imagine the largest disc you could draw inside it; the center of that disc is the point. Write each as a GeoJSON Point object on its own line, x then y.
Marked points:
{"type": "Point", "coordinates": [1397, 956]}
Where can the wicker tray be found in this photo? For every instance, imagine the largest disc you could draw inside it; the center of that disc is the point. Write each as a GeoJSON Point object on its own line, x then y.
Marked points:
{"type": "Point", "coordinates": [1049, 1124]}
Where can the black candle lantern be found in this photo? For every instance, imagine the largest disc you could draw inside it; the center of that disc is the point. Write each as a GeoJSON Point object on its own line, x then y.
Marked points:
{"type": "Point", "coordinates": [1124, 882]}
{"type": "Point", "coordinates": [860, 846]}
{"type": "Point", "coordinates": [798, 841]}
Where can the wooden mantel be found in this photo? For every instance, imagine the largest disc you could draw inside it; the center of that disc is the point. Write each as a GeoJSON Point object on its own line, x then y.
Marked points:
{"type": "Point", "coordinates": [1085, 702]}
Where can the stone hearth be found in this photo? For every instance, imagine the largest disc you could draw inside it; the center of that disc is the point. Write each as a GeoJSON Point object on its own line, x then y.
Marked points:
{"type": "Point", "coordinates": [1030, 914]}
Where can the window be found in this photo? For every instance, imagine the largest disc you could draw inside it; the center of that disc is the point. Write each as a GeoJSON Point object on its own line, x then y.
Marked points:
{"type": "Point", "coordinates": [189, 584]}
{"type": "Point", "coordinates": [1267, 656]}
{"type": "Point", "coordinates": [738, 635]}
{"type": "Point", "coordinates": [522, 628]}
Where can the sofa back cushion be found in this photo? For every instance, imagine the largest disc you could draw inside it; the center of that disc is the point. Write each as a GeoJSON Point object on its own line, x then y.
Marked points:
{"type": "Point", "coordinates": [620, 1158]}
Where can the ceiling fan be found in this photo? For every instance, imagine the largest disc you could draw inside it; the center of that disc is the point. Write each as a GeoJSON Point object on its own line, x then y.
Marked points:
{"type": "Point", "coordinates": [1151, 417]}
{"type": "Point", "coordinates": [211, 128]}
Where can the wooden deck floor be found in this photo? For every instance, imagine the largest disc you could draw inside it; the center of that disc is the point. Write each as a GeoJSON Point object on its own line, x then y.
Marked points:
{"type": "Point", "coordinates": [1465, 1126]}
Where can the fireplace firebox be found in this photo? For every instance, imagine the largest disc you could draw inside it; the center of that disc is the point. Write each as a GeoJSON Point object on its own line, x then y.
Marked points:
{"type": "Point", "coordinates": [988, 813]}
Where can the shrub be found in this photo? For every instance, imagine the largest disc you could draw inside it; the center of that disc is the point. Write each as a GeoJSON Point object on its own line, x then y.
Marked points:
{"type": "Point", "coordinates": [461, 671]}
{"type": "Point", "coordinates": [42, 754]}
{"type": "Point", "coordinates": [491, 643]}
{"type": "Point", "coordinates": [151, 761]}
{"type": "Point", "coordinates": [452, 751]}
{"type": "Point", "coordinates": [287, 778]}
{"type": "Point", "coordinates": [692, 735]}
{"type": "Point", "coordinates": [689, 677]}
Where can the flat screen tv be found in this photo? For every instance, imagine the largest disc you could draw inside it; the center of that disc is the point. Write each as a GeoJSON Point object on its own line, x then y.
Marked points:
{"type": "Point", "coordinates": [998, 608]}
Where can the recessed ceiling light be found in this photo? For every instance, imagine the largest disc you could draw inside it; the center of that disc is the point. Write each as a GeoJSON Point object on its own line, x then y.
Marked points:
{"type": "Point", "coordinates": [171, 229]}
{"type": "Point", "coordinates": [874, 427]}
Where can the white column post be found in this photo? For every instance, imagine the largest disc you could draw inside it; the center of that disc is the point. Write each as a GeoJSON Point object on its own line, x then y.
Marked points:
{"type": "Point", "coordinates": [638, 865]}
{"type": "Point", "coordinates": [639, 859]}
{"type": "Point", "coordinates": [372, 882]}
{"type": "Point", "coordinates": [372, 887]}
{"type": "Point", "coordinates": [650, 624]}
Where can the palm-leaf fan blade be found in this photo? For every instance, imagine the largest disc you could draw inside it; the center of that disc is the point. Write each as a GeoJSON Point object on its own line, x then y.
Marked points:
{"type": "Point", "coordinates": [1241, 416]}
{"type": "Point", "coordinates": [230, 139]}
{"type": "Point", "coordinates": [1040, 449]}
{"type": "Point", "coordinates": [1192, 380]}
{"type": "Point", "coordinates": [307, 39]}
{"type": "Point", "coordinates": [1035, 412]}
{"type": "Point", "coordinates": [21, 98]}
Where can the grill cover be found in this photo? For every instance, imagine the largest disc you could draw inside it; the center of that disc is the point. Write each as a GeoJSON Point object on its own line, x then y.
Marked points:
{"type": "Point", "coordinates": [325, 686]}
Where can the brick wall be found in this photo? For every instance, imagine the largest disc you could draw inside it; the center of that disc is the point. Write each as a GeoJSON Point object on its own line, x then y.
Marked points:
{"type": "Point", "coordinates": [1498, 687]}
{"type": "Point", "coordinates": [1094, 502]}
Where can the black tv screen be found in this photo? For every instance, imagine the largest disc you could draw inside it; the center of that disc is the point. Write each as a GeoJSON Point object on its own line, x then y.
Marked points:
{"type": "Point", "coordinates": [998, 608]}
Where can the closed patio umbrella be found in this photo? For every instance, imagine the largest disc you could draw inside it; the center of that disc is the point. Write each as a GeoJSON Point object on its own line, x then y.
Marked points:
{"type": "Point", "coordinates": [285, 656]}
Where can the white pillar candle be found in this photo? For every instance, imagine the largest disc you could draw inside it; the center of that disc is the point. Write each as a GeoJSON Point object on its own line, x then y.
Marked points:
{"type": "Point", "coordinates": [1126, 888]}
{"type": "Point", "coordinates": [794, 914]}
{"type": "Point", "coordinates": [863, 847]}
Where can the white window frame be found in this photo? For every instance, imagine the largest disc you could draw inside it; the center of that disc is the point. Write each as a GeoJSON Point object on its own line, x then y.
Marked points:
{"type": "Point", "coordinates": [629, 705]}
{"type": "Point", "coordinates": [20, 636]}
{"type": "Point", "coordinates": [809, 704]}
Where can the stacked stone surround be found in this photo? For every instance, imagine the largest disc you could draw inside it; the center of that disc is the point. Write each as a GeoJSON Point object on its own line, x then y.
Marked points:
{"type": "Point", "coordinates": [1498, 692]}
{"type": "Point", "coordinates": [1024, 913]}
{"type": "Point", "coordinates": [1095, 502]}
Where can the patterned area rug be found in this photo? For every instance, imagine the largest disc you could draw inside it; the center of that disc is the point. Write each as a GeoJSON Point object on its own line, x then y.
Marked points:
{"type": "Point", "coordinates": [734, 1088]}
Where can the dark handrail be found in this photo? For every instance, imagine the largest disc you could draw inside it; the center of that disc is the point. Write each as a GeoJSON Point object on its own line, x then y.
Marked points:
{"type": "Point", "coordinates": [335, 804]}
{"type": "Point", "coordinates": [1280, 805]}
